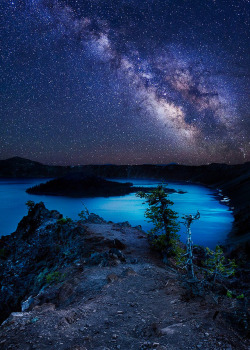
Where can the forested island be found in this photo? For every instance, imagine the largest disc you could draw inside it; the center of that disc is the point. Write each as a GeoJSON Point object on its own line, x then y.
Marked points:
{"type": "Point", "coordinates": [81, 185]}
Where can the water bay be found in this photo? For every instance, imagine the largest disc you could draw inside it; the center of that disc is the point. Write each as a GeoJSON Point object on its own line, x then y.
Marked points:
{"type": "Point", "coordinates": [212, 228]}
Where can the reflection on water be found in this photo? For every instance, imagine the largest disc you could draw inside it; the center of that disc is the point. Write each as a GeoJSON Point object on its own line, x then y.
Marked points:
{"type": "Point", "coordinates": [214, 225]}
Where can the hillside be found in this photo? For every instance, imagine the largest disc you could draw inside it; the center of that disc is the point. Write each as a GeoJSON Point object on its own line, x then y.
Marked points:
{"type": "Point", "coordinates": [96, 285]}
{"type": "Point", "coordinates": [18, 167]}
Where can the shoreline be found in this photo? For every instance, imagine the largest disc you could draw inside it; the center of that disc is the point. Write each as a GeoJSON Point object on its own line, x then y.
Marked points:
{"type": "Point", "coordinates": [184, 187]}
{"type": "Point", "coordinates": [232, 180]}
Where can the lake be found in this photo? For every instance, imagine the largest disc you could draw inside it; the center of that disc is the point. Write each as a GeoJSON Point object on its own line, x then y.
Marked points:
{"type": "Point", "coordinates": [212, 228]}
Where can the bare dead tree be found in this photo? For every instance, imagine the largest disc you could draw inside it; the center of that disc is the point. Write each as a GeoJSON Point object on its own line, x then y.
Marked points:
{"type": "Point", "coordinates": [189, 253]}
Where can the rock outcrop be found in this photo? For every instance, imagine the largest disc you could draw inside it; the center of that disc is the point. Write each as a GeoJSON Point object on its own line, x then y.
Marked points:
{"type": "Point", "coordinates": [42, 246]}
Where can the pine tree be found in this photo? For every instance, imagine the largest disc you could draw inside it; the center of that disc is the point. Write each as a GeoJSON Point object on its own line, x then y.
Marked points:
{"type": "Point", "coordinates": [217, 266]}
{"type": "Point", "coordinates": [163, 236]}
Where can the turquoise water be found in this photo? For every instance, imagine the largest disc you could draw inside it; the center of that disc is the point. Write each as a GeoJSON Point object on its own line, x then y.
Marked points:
{"type": "Point", "coordinates": [212, 228]}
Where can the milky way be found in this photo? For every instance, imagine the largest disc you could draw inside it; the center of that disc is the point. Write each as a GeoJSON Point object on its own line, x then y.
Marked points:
{"type": "Point", "coordinates": [125, 81]}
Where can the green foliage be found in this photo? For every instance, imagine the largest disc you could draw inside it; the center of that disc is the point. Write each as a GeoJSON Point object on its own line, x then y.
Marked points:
{"type": "Point", "coordinates": [163, 236]}
{"type": "Point", "coordinates": [64, 221]}
{"type": "Point", "coordinates": [49, 278]}
{"type": "Point", "coordinates": [30, 204]}
{"type": "Point", "coordinates": [54, 277]}
{"type": "Point", "coordinates": [84, 214]}
{"type": "Point", "coordinates": [241, 296]}
{"type": "Point", "coordinates": [217, 266]}
{"type": "Point", "coordinates": [229, 294]}
{"type": "Point", "coordinates": [180, 254]}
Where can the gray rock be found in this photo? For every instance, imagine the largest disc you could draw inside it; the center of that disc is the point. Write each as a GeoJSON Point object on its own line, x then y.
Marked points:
{"type": "Point", "coordinates": [27, 304]}
{"type": "Point", "coordinates": [123, 224]}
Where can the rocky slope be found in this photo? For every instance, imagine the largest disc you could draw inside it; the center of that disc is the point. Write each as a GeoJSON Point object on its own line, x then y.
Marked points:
{"type": "Point", "coordinates": [96, 285]}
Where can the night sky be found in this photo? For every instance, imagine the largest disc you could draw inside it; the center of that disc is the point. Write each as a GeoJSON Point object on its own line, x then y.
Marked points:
{"type": "Point", "coordinates": [125, 81]}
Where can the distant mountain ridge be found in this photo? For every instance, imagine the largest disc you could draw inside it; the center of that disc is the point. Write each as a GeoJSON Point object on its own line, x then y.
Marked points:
{"type": "Point", "coordinates": [22, 167]}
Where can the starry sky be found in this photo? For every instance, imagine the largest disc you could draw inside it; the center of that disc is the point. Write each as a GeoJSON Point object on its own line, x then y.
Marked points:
{"type": "Point", "coordinates": [125, 81]}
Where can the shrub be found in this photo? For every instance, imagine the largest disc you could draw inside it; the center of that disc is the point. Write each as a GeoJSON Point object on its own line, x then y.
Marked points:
{"type": "Point", "coordinates": [54, 277]}
{"type": "Point", "coordinates": [30, 204]}
{"type": "Point", "coordinates": [217, 266]}
{"type": "Point", "coordinates": [64, 221]}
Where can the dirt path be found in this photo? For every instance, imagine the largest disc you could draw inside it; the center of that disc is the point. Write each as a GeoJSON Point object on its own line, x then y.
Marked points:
{"type": "Point", "coordinates": [137, 304]}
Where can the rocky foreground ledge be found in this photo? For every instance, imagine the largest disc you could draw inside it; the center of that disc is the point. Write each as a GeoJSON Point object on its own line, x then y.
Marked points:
{"type": "Point", "coordinates": [96, 285]}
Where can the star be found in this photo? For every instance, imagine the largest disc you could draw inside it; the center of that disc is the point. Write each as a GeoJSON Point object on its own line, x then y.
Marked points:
{"type": "Point", "coordinates": [125, 82]}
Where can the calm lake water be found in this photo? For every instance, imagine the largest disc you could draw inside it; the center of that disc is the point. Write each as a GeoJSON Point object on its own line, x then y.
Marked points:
{"type": "Point", "coordinates": [212, 228]}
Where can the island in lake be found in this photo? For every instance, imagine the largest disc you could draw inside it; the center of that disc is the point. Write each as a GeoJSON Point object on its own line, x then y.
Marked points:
{"type": "Point", "coordinates": [82, 185]}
